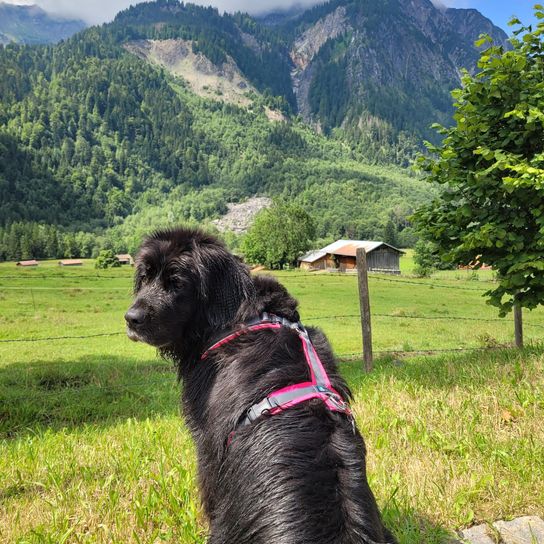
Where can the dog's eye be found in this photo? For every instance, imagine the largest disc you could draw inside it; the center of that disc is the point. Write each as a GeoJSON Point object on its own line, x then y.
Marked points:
{"type": "Point", "coordinates": [175, 282]}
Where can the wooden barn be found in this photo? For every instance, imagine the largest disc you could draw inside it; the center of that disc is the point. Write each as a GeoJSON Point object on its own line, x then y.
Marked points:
{"type": "Point", "coordinates": [71, 262]}
{"type": "Point", "coordinates": [27, 263]}
{"type": "Point", "coordinates": [342, 256]}
{"type": "Point", "coordinates": [125, 259]}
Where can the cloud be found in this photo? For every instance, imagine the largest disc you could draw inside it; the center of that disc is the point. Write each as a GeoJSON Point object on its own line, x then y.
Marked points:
{"type": "Point", "coordinates": [100, 11]}
{"type": "Point", "coordinates": [444, 4]}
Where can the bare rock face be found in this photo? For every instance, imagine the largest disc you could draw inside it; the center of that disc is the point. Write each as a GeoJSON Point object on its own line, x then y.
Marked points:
{"type": "Point", "coordinates": [397, 60]}
{"type": "Point", "coordinates": [240, 216]}
{"type": "Point", "coordinates": [306, 47]}
{"type": "Point", "coordinates": [219, 82]}
{"type": "Point", "coordinates": [471, 23]}
{"type": "Point", "coordinates": [310, 42]}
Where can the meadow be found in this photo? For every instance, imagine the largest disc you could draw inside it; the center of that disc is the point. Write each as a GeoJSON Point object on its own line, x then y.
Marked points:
{"type": "Point", "coordinates": [93, 448]}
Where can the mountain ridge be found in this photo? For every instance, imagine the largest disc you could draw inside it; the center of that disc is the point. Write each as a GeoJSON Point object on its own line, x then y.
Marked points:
{"type": "Point", "coordinates": [98, 139]}
{"type": "Point", "coordinates": [31, 25]}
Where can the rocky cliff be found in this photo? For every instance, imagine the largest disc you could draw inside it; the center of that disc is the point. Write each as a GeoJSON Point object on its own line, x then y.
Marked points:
{"type": "Point", "coordinates": [349, 64]}
{"type": "Point", "coordinates": [396, 60]}
{"type": "Point", "coordinates": [222, 81]}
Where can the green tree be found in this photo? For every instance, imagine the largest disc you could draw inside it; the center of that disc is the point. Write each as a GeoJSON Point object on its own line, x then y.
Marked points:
{"type": "Point", "coordinates": [425, 259]}
{"type": "Point", "coordinates": [106, 259]}
{"type": "Point", "coordinates": [279, 236]}
{"type": "Point", "coordinates": [390, 233]}
{"type": "Point", "coordinates": [491, 168]}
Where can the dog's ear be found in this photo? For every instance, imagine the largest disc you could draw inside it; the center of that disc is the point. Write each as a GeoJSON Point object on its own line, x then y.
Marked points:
{"type": "Point", "coordinates": [225, 284]}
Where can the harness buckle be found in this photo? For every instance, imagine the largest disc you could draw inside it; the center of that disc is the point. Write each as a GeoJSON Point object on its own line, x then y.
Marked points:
{"type": "Point", "coordinates": [263, 408]}
{"type": "Point", "coordinates": [334, 398]}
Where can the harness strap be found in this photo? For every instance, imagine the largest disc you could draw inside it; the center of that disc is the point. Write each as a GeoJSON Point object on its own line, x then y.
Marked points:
{"type": "Point", "coordinates": [236, 334]}
{"type": "Point", "coordinates": [318, 388]}
{"type": "Point", "coordinates": [293, 395]}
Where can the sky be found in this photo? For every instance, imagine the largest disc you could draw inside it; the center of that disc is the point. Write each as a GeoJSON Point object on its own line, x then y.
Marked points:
{"type": "Point", "coordinates": [99, 11]}
{"type": "Point", "coordinates": [500, 11]}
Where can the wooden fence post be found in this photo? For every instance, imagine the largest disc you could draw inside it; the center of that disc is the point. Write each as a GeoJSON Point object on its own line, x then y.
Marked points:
{"type": "Point", "coordinates": [518, 325]}
{"type": "Point", "coordinates": [364, 302]}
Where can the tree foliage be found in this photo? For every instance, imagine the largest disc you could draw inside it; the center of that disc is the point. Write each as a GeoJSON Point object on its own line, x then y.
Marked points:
{"type": "Point", "coordinates": [491, 169]}
{"type": "Point", "coordinates": [98, 147]}
{"type": "Point", "coordinates": [279, 236]}
{"type": "Point", "coordinates": [425, 259]}
{"type": "Point", "coordinates": [107, 259]}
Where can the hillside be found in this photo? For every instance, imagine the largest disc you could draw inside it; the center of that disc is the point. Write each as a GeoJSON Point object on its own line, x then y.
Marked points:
{"type": "Point", "coordinates": [382, 66]}
{"type": "Point", "coordinates": [173, 111]}
{"type": "Point", "coordinates": [32, 25]}
{"type": "Point", "coordinates": [223, 81]}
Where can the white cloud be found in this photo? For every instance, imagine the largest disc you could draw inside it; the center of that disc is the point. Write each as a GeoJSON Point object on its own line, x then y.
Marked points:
{"type": "Point", "coordinates": [99, 11]}
{"type": "Point", "coordinates": [443, 4]}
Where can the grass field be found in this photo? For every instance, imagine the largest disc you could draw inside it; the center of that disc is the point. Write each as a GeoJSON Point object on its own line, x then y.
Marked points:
{"type": "Point", "coordinates": [93, 448]}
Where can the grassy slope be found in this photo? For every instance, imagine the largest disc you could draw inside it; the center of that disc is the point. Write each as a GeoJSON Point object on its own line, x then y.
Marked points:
{"type": "Point", "coordinates": [324, 178]}
{"type": "Point", "coordinates": [93, 448]}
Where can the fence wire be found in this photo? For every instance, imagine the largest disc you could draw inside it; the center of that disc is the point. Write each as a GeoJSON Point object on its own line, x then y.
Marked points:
{"type": "Point", "coordinates": [309, 321]}
{"type": "Point", "coordinates": [293, 276]}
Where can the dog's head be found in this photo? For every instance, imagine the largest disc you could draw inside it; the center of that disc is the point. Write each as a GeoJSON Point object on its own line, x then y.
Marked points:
{"type": "Point", "coordinates": [186, 282]}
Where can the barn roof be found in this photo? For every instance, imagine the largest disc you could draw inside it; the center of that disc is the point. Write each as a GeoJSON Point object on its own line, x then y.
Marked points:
{"type": "Point", "coordinates": [345, 248]}
{"type": "Point", "coordinates": [313, 256]}
{"type": "Point", "coordinates": [124, 257]}
{"type": "Point", "coordinates": [27, 263]}
{"type": "Point", "coordinates": [349, 248]}
{"type": "Point", "coordinates": [71, 262]}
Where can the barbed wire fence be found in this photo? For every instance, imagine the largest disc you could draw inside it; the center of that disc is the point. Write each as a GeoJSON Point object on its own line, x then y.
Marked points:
{"type": "Point", "coordinates": [310, 320]}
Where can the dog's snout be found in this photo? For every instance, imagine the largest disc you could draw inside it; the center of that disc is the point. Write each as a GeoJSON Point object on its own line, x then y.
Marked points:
{"type": "Point", "coordinates": [136, 317]}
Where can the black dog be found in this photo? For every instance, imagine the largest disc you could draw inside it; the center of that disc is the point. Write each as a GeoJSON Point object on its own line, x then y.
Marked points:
{"type": "Point", "coordinates": [295, 477]}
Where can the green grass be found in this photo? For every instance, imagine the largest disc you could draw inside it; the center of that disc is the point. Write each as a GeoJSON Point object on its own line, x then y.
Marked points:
{"type": "Point", "coordinates": [93, 448]}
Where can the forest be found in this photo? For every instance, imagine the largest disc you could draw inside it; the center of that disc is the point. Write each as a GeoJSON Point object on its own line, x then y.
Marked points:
{"type": "Point", "coordinates": [97, 146]}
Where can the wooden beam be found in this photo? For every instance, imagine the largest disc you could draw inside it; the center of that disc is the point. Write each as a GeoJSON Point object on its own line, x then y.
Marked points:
{"type": "Point", "coordinates": [364, 302]}
{"type": "Point", "coordinates": [518, 325]}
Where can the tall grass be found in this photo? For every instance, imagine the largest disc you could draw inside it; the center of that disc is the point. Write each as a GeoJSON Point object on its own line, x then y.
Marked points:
{"type": "Point", "coordinates": [93, 448]}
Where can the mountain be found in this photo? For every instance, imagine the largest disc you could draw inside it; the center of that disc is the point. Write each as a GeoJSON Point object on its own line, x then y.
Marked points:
{"type": "Point", "coordinates": [373, 69]}
{"type": "Point", "coordinates": [470, 22]}
{"type": "Point", "coordinates": [389, 64]}
{"type": "Point", "coordinates": [173, 111]}
{"type": "Point", "coordinates": [32, 25]}
{"type": "Point", "coordinates": [280, 17]}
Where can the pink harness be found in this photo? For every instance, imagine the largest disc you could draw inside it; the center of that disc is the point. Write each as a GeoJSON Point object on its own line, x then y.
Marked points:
{"type": "Point", "coordinates": [319, 386]}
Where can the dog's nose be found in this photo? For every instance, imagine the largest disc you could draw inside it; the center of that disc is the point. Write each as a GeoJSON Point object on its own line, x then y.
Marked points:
{"type": "Point", "coordinates": [135, 317]}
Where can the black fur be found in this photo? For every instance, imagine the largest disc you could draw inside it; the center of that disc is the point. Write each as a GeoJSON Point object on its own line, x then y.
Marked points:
{"type": "Point", "coordinates": [297, 477]}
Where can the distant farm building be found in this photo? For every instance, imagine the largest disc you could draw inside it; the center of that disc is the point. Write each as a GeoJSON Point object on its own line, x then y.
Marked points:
{"type": "Point", "coordinates": [476, 264]}
{"type": "Point", "coordinates": [27, 263]}
{"type": "Point", "coordinates": [341, 256]}
{"type": "Point", "coordinates": [125, 259]}
{"type": "Point", "coordinates": [71, 262]}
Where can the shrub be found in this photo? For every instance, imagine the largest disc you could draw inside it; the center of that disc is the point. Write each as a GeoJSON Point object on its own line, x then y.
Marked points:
{"type": "Point", "coordinates": [106, 259]}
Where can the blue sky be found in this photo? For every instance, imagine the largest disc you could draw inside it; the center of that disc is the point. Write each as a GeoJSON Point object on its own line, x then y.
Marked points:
{"type": "Point", "coordinates": [98, 11]}
{"type": "Point", "coordinates": [500, 11]}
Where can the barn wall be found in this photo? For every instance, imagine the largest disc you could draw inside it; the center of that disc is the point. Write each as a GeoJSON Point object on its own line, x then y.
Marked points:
{"type": "Point", "coordinates": [384, 259]}
{"type": "Point", "coordinates": [379, 260]}
{"type": "Point", "coordinates": [347, 263]}
{"type": "Point", "coordinates": [320, 264]}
